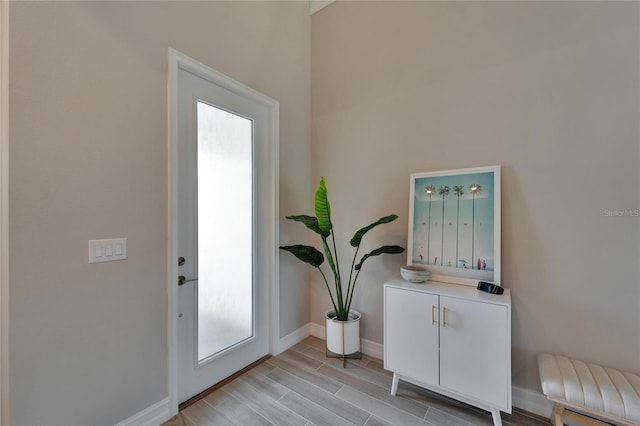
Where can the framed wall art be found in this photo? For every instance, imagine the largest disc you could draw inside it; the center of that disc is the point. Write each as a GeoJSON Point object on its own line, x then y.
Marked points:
{"type": "Point", "coordinates": [454, 224]}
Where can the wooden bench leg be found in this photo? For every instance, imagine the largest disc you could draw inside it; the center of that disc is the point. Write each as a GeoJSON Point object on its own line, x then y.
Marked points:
{"type": "Point", "coordinates": [556, 415]}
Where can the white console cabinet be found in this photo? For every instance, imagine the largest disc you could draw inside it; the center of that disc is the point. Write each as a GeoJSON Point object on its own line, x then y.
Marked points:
{"type": "Point", "coordinates": [451, 339]}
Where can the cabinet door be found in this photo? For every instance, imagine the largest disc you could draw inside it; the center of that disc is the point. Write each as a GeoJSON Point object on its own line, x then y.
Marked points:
{"type": "Point", "coordinates": [474, 350]}
{"type": "Point", "coordinates": [411, 336]}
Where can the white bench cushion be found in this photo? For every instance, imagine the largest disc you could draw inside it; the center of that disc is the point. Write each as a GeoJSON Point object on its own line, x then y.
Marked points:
{"type": "Point", "coordinates": [601, 389]}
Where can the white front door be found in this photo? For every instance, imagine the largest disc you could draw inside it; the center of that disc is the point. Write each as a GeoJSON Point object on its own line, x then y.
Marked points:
{"type": "Point", "coordinates": [222, 236]}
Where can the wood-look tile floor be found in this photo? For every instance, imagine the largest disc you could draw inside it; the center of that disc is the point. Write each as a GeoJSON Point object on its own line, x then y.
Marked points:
{"type": "Point", "coordinates": [302, 387]}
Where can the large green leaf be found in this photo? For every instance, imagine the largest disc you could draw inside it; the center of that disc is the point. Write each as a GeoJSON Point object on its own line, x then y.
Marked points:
{"type": "Point", "coordinates": [322, 208]}
{"type": "Point", "coordinates": [357, 238]}
{"type": "Point", "coordinates": [310, 222]}
{"type": "Point", "coordinates": [307, 254]}
{"type": "Point", "coordinates": [329, 255]}
{"type": "Point", "coordinates": [379, 251]}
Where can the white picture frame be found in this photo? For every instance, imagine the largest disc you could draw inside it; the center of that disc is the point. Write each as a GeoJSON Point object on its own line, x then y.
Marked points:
{"type": "Point", "coordinates": [454, 224]}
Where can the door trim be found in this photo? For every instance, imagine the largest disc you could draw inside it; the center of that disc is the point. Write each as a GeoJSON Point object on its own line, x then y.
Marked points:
{"type": "Point", "coordinates": [179, 61]}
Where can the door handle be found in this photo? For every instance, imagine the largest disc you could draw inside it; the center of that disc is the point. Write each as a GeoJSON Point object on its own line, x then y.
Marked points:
{"type": "Point", "coordinates": [433, 314]}
{"type": "Point", "coordinates": [182, 280]}
{"type": "Point", "coordinates": [444, 316]}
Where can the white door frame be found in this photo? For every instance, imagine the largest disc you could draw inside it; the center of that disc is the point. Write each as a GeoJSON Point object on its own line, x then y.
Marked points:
{"type": "Point", "coordinates": [4, 213]}
{"type": "Point", "coordinates": [179, 61]}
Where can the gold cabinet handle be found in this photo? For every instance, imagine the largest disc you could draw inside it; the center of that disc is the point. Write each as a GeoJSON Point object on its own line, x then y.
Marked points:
{"type": "Point", "coordinates": [444, 316]}
{"type": "Point", "coordinates": [433, 314]}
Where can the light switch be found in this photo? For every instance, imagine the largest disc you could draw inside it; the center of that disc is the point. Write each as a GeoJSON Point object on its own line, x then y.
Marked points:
{"type": "Point", "coordinates": [107, 250]}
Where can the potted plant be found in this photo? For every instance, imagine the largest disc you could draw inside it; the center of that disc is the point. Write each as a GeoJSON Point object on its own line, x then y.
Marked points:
{"type": "Point", "coordinates": [342, 323]}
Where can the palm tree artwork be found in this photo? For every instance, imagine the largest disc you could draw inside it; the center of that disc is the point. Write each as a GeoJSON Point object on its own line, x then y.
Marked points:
{"type": "Point", "coordinates": [430, 190]}
{"type": "Point", "coordinates": [444, 191]}
{"type": "Point", "coordinates": [459, 190]}
{"type": "Point", "coordinates": [466, 245]}
{"type": "Point", "coordinates": [475, 189]}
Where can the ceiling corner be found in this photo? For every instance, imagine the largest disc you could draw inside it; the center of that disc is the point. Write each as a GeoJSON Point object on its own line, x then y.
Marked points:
{"type": "Point", "coordinates": [318, 5]}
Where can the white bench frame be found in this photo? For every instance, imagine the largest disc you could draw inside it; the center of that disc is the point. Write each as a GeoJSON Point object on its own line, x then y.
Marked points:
{"type": "Point", "coordinates": [559, 414]}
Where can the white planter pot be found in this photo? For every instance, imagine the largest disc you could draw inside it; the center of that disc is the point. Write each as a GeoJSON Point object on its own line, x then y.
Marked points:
{"type": "Point", "coordinates": [343, 337]}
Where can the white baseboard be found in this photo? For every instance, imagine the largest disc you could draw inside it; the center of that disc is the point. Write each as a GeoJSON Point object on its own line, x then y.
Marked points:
{"type": "Point", "coordinates": [154, 415]}
{"type": "Point", "coordinates": [373, 349]}
{"type": "Point", "coordinates": [293, 338]}
{"type": "Point", "coordinates": [317, 330]}
{"type": "Point", "coordinates": [531, 401]}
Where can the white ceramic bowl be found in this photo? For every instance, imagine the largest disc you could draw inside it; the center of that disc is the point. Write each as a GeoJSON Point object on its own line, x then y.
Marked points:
{"type": "Point", "coordinates": [414, 273]}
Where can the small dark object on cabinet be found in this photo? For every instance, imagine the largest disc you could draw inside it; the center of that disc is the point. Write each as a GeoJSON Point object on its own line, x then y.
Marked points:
{"type": "Point", "coordinates": [490, 288]}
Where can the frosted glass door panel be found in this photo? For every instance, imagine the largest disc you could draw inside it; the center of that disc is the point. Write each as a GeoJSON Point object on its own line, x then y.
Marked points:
{"type": "Point", "coordinates": [225, 230]}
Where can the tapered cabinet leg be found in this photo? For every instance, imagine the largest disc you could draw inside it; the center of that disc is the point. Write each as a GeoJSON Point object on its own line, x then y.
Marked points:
{"type": "Point", "coordinates": [497, 420]}
{"type": "Point", "coordinates": [394, 383]}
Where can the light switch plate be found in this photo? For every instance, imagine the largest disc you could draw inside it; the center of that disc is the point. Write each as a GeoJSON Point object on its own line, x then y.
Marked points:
{"type": "Point", "coordinates": [107, 250]}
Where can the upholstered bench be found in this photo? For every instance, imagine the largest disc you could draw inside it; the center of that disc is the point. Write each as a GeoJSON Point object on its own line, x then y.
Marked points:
{"type": "Point", "coordinates": [603, 392]}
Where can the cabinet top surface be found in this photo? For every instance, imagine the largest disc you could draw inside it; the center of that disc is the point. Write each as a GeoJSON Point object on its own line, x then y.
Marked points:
{"type": "Point", "coordinates": [452, 290]}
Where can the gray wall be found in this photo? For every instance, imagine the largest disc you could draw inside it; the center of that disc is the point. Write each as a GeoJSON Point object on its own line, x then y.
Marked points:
{"type": "Point", "coordinates": [88, 160]}
{"type": "Point", "coordinates": [548, 90]}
